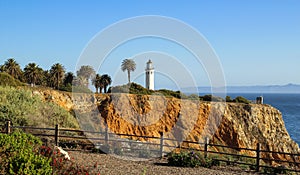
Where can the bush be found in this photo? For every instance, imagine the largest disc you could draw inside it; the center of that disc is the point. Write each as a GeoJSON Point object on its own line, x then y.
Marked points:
{"type": "Point", "coordinates": [20, 155]}
{"type": "Point", "coordinates": [138, 89]}
{"type": "Point", "coordinates": [241, 99]}
{"type": "Point", "coordinates": [77, 89]}
{"type": "Point", "coordinates": [134, 88]}
{"type": "Point", "coordinates": [8, 80]}
{"type": "Point", "coordinates": [275, 170]}
{"type": "Point", "coordinates": [238, 99]}
{"type": "Point", "coordinates": [190, 159]}
{"type": "Point", "coordinates": [22, 108]}
{"type": "Point", "coordinates": [131, 88]}
{"type": "Point", "coordinates": [169, 93]}
{"type": "Point", "coordinates": [211, 98]}
{"type": "Point", "coordinates": [67, 88]}
{"type": "Point", "coordinates": [228, 99]}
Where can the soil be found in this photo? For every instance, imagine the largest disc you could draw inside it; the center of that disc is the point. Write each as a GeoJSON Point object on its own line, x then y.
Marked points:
{"type": "Point", "coordinates": [108, 164]}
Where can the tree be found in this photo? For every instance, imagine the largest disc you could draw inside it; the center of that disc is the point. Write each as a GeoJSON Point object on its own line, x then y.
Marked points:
{"type": "Point", "coordinates": [57, 72]}
{"type": "Point", "coordinates": [80, 81]}
{"type": "Point", "coordinates": [33, 73]}
{"type": "Point", "coordinates": [2, 68]}
{"type": "Point", "coordinates": [129, 65]}
{"type": "Point", "coordinates": [97, 83]}
{"type": "Point", "coordinates": [46, 79]}
{"type": "Point", "coordinates": [69, 77]}
{"type": "Point", "coordinates": [105, 81]}
{"type": "Point", "coordinates": [86, 72]}
{"type": "Point", "coordinates": [13, 68]}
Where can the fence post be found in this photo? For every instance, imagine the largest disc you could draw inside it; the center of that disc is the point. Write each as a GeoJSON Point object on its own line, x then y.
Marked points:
{"type": "Point", "coordinates": [106, 135]}
{"type": "Point", "coordinates": [161, 144]}
{"type": "Point", "coordinates": [206, 142]}
{"type": "Point", "coordinates": [56, 135]}
{"type": "Point", "coordinates": [8, 125]}
{"type": "Point", "coordinates": [257, 157]}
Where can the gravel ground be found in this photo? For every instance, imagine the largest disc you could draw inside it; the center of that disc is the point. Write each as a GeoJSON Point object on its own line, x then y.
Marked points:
{"type": "Point", "coordinates": [112, 165]}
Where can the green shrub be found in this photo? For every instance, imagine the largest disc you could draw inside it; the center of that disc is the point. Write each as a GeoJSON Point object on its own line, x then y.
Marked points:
{"type": "Point", "coordinates": [211, 98]}
{"type": "Point", "coordinates": [238, 99]}
{"type": "Point", "coordinates": [275, 170]}
{"type": "Point", "coordinates": [241, 99]}
{"type": "Point", "coordinates": [77, 89]}
{"type": "Point", "coordinates": [21, 107]}
{"type": "Point", "coordinates": [67, 88]}
{"type": "Point", "coordinates": [169, 93]}
{"type": "Point", "coordinates": [8, 80]}
{"type": "Point", "coordinates": [191, 159]}
{"type": "Point", "coordinates": [138, 89]}
{"type": "Point", "coordinates": [134, 88]}
{"type": "Point", "coordinates": [20, 155]}
{"type": "Point", "coordinates": [131, 88]}
{"type": "Point", "coordinates": [228, 99]}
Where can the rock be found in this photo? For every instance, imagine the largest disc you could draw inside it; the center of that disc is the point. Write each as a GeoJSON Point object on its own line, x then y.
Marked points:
{"type": "Point", "coordinates": [232, 124]}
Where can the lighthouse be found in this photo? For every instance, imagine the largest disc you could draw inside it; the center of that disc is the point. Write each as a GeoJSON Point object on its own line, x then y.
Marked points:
{"type": "Point", "coordinates": [149, 75]}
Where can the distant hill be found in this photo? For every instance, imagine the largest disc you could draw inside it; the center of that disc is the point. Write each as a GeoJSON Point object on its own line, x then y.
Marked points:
{"type": "Point", "coordinates": [288, 88]}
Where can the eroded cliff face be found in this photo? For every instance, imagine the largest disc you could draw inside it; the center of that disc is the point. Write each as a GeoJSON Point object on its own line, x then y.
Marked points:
{"type": "Point", "coordinates": [232, 124]}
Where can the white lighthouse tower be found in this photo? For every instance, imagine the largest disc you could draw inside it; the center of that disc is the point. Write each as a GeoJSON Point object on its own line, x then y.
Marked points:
{"type": "Point", "coordinates": [149, 76]}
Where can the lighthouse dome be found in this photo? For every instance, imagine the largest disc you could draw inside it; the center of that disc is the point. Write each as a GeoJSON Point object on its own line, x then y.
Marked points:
{"type": "Point", "coordinates": [149, 65]}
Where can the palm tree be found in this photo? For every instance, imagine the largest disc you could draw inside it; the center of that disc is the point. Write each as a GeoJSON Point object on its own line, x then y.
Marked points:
{"type": "Point", "coordinates": [105, 81]}
{"type": "Point", "coordinates": [2, 68]}
{"type": "Point", "coordinates": [69, 77]}
{"type": "Point", "coordinates": [57, 72]}
{"type": "Point", "coordinates": [86, 72]}
{"type": "Point", "coordinates": [97, 83]}
{"type": "Point", "coordinates": [13, 68]}
{"type": "Point", "coordinates": [33, 73]}
{"type": "Point", "coordinates": [129, 65]}
{"type": "Point", "coordinates": [80, 81]}
{"type": "Point", "coordinates": [46, 79]}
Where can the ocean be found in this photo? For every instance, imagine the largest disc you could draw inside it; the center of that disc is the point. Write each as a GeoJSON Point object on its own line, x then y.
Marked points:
{"type": "Point", "coordinates": [287, 104]}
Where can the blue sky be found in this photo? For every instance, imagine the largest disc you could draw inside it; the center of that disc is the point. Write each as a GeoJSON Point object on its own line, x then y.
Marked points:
{"type": "Point", "coordinates": [257, 42]}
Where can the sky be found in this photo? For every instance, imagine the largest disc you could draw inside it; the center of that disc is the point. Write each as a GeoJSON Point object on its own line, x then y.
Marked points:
{"type": "Point", "coordinates": [256, 42]}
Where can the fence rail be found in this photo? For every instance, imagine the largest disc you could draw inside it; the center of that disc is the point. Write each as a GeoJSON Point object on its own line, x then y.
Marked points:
{"type": "Point", "coordinates": [161, 143]}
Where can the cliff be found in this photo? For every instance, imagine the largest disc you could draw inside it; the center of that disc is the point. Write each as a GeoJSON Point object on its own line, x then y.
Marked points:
{"type": "Point", "coordinates": [232, 124]}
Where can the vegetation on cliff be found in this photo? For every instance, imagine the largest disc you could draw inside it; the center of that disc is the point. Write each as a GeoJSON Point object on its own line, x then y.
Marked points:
{"type": "Point", "coordinates": [20, 155]}
{"type": "Point", "coordinates": [8, 80]}
{"type": "Point", "coordinates": [23, 108]}
{"type": "Point", "coordinates": [134, 88]}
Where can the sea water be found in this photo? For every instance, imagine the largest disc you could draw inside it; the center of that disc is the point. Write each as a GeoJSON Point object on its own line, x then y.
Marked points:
{"type": "Point", "coordinates": [287, 104]}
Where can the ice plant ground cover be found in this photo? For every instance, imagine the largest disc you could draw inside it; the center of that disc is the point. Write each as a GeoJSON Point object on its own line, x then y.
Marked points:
{"type": "Point", "coordinates": [22, 153]}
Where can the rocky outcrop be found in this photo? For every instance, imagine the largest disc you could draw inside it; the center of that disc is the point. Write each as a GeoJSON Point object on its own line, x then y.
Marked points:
{"type": "Point", "coordinates": [232, 124]}
{"type": "Point", "coordinates": [63, 99]}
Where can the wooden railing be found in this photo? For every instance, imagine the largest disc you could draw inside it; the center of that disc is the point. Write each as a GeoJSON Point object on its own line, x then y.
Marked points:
{"type": "Point", "coordinates": [258, 158]}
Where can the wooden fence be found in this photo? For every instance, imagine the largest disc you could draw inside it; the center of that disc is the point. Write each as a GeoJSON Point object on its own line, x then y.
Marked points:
{"type": "Point", "coordinates": [161, 143]}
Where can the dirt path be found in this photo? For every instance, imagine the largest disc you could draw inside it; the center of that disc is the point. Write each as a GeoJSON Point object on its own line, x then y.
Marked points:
{"type": "Point", "coordinates": [111, 165]}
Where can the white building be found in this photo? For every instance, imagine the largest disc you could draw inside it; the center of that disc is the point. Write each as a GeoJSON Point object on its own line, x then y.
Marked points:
{"type": "Point", "coordinates": [149, 75]}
